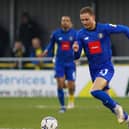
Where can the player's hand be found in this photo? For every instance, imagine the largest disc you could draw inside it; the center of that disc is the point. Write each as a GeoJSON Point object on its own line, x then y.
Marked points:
{"type": "Point", "coordinates": [75, 46]}
{"type": "Point", "coordinates": [45, 53]}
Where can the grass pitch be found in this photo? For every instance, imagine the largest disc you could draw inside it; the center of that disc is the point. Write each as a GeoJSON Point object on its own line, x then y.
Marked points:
{"type": "Point", "coordinates": [26, 113]}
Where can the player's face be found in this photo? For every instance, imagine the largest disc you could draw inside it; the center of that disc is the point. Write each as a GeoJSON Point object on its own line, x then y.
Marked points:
{"type": "Point", "coordinates": [87, 20]}
{"type": "Point", "coordinates": [66, 22]}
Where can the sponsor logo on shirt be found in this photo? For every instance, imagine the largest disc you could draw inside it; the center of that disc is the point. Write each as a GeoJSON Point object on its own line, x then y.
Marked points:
{"type": "Point", "coordinates": [65, 46]}
{"type": "Point", "coordinates": [95, 47]}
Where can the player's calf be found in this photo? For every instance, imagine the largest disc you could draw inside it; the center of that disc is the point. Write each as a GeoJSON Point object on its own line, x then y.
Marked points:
{"type": "Point", "coordinates": [71, 87]}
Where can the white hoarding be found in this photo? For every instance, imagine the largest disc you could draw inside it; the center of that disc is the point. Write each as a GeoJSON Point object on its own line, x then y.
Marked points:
{"type": "Point", "coordinates": [27, 83]}
{"type": "Point", "coordinates": [118, 84]}
{"type": "Point", "coordinates": [42, 83]}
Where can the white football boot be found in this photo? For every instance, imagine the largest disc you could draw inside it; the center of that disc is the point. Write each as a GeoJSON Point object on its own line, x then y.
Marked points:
{"type": "Point", "coordinates": [70, 105]}
{"type": "Point", "coordinates": [119, 113]}
{"type": "Point", "coordinates": [62, 109]}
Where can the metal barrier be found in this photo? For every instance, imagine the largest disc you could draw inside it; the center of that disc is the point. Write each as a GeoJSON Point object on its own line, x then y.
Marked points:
{"type": "Point", "coordinates": [19, 61]}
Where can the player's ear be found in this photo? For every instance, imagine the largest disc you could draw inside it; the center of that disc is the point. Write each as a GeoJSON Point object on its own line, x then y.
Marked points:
{"type": "Point", "coordinates": [94, 17]}
{"type": "Point", "coordinates": [71, 25]}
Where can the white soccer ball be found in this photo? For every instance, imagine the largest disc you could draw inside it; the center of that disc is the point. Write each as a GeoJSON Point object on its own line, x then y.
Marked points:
{"type": "Point", "coordinates": [49, 122]}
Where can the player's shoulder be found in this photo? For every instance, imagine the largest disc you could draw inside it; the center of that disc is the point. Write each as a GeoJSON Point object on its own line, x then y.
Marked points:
{"type": "Point", "coordinates": [57, 31]}
{"type": "Point", "coordinates": [102, 25]}
{"type": "Point", "coordinates": [73, 31]}
{"type": "Point", "coordinates": [81, 31]}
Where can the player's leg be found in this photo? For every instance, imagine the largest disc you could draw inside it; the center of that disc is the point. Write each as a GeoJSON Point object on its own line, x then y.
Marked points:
{"type": "Point", "coordinates": [60, 78]}
{"type": "Point", "coordinates": [101, 92]}
{"type": "Point", "coordinates": [106, 90]}
{"type": "Point", "coordinates": [101, 79]}
{"type": "Point", "coordinates": [126, 117]}
{"type": "Point", "coordinates": [97, 91]}
{"type": "Point", "coordinates": [71, 88]}
{"type": "Point", "coordinates": [60, 91]}
{"type": "Point", "coordinates": [70, 72]}
{"type": "Point", "coordinates": [99, 84]}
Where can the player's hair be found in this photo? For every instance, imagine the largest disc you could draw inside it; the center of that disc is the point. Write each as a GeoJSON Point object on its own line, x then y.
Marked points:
{"type": "Point", "coordinates": [88, 10]}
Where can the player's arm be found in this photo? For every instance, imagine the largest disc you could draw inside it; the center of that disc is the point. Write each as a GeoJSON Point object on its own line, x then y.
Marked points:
{"type": "Point", "coordinates": [111, 28]}
{"type": "Point", "coordinates": [50, 45]}
{"type": "Point", "coordinates": [77, 47]}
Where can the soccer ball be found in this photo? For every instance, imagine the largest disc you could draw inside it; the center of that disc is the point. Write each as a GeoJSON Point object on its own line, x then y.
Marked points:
{"type": "Point", "coordinates": [49, 122]}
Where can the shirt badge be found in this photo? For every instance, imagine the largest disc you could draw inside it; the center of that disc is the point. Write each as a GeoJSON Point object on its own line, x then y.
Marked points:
{"type": "Point", "coordinates": [70, 38]}
{"type": "Point", "coordinates": [100, 35]}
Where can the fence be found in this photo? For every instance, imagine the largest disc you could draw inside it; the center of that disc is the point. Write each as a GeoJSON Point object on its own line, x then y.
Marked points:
{"type": "Point", "coordinates": [48, 61]}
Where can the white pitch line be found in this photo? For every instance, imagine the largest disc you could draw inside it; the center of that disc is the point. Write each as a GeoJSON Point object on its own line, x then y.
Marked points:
{"type": "Point", "coordinates": [78, 107]}
{"type": "Point", "coordinates": [46, 106]}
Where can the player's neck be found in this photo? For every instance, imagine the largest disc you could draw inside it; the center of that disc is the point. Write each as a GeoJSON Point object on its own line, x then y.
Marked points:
{"type": "Point", "coordinates": [65, 29]}
{"type": "Point", "coordinates": [93, 26]}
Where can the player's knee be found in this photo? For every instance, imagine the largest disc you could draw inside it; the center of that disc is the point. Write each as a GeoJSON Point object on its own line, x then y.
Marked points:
{"type": "Point", "coordinates": [60, 86]}
{"type": "Point", "coordinates": [71, 90]}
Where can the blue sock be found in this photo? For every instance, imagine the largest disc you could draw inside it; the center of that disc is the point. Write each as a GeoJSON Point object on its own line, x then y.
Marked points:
{"type": "Point", "coordinates": [112, 110]}
{"type": "Point", "coordinates": [61, 96]}
{"type": "Point", "coordinates": [105, 98]}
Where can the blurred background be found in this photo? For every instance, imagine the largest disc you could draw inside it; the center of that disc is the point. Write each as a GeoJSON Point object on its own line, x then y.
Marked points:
{"type": "Point", "coordinates": [44, 16]}
{"type": "Point", "coordinates": [28, 89]}
{"type": "Point", "coordinates": [25, 29]}
{"type": "Point", "coordinates": [26, 26]}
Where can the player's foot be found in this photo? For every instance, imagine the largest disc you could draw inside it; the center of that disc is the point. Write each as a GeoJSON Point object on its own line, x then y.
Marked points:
{"type": "Point", "coordinates": [119, 113]}
{"type": "Point", "coordinates": [70, 105]}
{"type": "Point", "coordinates": [62, 110]}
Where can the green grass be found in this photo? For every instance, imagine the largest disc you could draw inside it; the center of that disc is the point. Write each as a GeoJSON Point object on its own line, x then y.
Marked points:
{"type": "Point", "coordinates": [19, 113]}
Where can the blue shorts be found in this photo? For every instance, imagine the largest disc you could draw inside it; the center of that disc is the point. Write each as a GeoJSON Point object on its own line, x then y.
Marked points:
{"type": "Point", "coordinates": [65, 69]}
{"type": "Point", "coordinates": [106, 71]}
